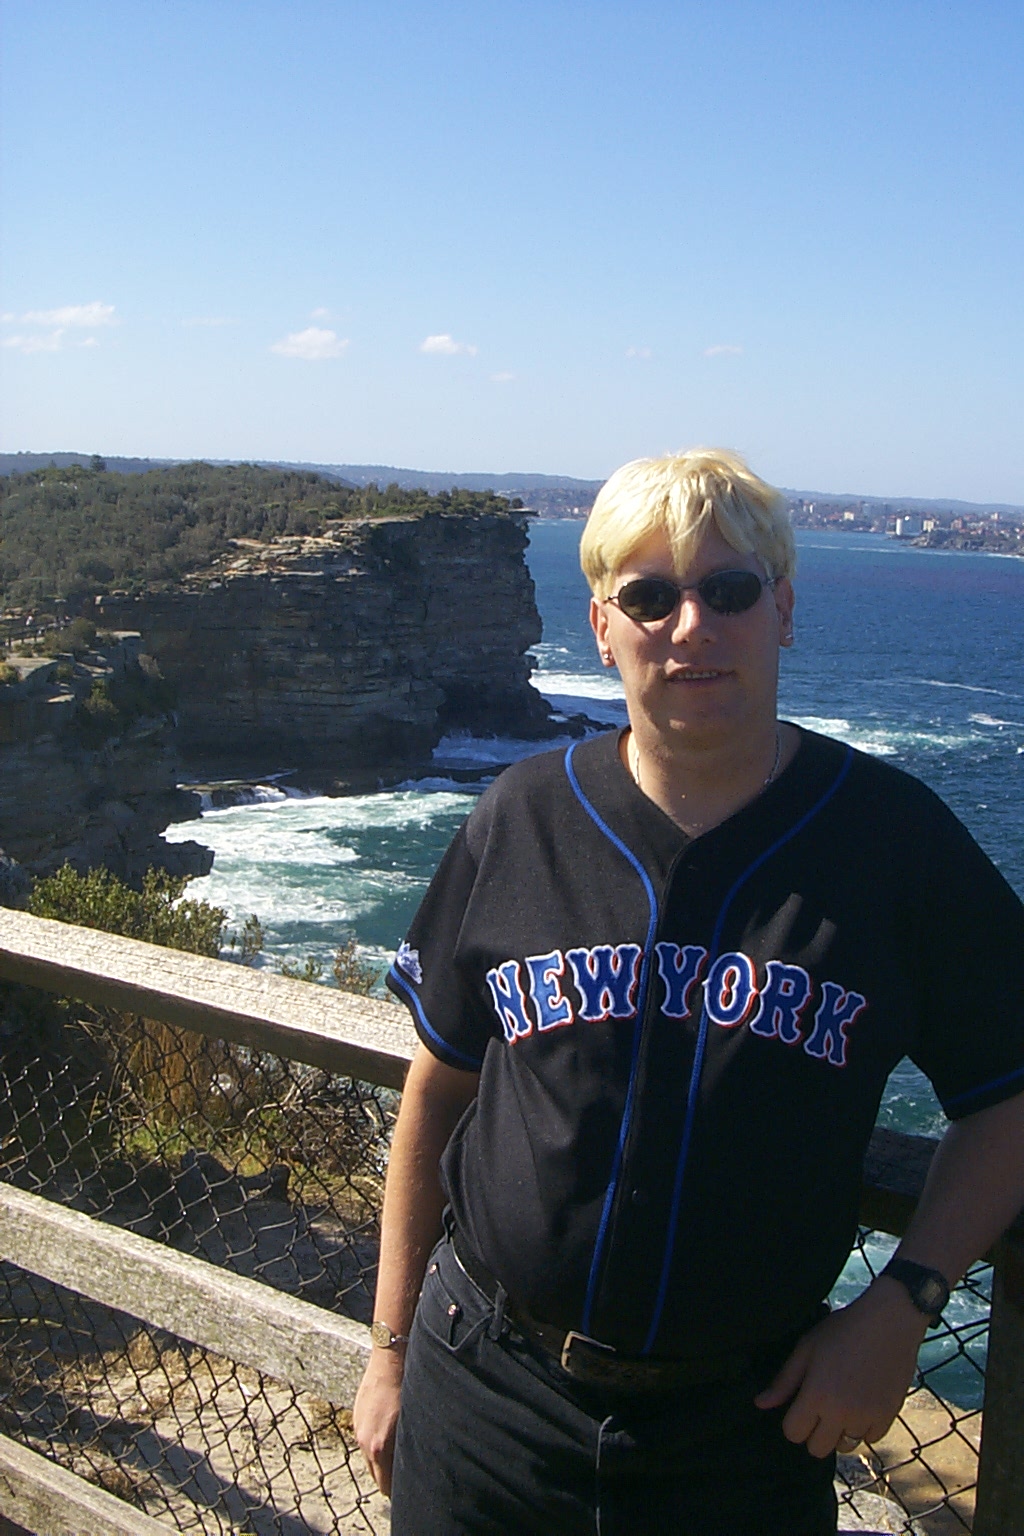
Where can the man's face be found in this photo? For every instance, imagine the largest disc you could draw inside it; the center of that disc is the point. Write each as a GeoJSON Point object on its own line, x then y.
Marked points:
{"type": "Point", "coordinates": [697, 674]}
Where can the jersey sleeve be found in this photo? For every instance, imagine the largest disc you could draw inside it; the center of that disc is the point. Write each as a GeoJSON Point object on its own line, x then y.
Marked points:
{"type": "Point", "coordinates": [428, 976]}
{"type": "Point", "coordinates": [970, 940]}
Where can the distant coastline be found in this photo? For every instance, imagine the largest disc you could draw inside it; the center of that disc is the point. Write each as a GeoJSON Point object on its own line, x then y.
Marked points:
{"type": "Point", "coordinates": [969, 532]}
{"type": "Point", "coordinates": [546, 495]}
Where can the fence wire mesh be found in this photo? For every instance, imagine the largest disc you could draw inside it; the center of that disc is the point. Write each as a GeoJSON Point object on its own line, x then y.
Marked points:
{"type": "Point", "coordinates": [921, 1479]}
{"type": "Point", "coordinates": [266, 1167]}
{"type": "Point", "coordinates": [275, 1170]}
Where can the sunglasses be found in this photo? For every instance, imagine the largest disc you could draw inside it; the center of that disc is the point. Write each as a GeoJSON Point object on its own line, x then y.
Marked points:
{"type": "Point", "coordinates": [649, 598]}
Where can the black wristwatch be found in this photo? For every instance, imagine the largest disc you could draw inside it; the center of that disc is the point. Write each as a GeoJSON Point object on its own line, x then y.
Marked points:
{"type": "Point", "coordinates": [927, 1288]}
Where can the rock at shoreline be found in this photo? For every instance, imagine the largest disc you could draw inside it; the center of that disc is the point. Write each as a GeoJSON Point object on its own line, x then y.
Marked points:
{"type": "Point", "coordinates": [89, 772]}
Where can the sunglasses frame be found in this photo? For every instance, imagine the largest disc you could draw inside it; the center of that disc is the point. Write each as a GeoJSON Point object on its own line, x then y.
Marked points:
{"type": "Point", "coordinates": [695, 586]}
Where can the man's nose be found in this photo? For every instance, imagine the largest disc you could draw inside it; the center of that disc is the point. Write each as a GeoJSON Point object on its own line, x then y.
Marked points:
{"type": "Point", "coordinates": [691, 618]}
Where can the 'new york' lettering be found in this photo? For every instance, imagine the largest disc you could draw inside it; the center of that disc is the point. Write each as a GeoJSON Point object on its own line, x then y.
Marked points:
{"type": "Point", "coordinates": [533, 996]}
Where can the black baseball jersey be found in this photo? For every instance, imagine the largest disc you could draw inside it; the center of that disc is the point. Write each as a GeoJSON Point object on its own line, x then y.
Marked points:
{"type": "Point", "coordinates": [683, 1042]}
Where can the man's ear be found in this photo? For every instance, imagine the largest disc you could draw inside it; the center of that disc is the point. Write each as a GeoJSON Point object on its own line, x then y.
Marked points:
{"type": "Point", "coordinates": [785, 601]}
{"type": "Point", "coordinates": [599, 624]}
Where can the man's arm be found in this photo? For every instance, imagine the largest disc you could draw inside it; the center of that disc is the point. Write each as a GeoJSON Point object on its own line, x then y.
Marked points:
{"type": "Point", "coordinates": [433, 1100]}
{"type": "Point", "coordinates": [850, 1374]}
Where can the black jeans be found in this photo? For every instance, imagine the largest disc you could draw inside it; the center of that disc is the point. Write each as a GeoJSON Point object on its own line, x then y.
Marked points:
{"type": "Point", "coordinates": [495, 1438]}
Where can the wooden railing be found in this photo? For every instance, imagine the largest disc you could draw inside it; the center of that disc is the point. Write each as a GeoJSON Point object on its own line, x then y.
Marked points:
{"type": "Point", "coordinates": [292, 1340]}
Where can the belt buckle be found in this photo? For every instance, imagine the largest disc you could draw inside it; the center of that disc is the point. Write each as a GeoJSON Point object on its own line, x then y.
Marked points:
{"type": "Point", "coordinates": [578, 1349]}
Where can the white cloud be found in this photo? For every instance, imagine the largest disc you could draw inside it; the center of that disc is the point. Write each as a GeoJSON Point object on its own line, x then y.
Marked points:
{"type": "Point", "coordinates": [320, 314]}
{"type": "Point", "coordinates": [644, 353]}
{"type": "Point", "coordinates": [502, 378]}
{"type": "Point", "coordinates": [53, 323]}
{"type": "Point", "coordinates": [723, 349]}
{"type": "Point", "coordinates": [72, 314]}
{"type": "Point", "coordinates": [446, 346]}
{"type": "Point", "coordinates": [313, 345]}
{"type": "Point", "coordinates": [42, 341]}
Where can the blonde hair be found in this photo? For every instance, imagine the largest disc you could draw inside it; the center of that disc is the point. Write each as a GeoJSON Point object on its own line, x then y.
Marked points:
{"type": "Point", "coordinates": [680, 495]}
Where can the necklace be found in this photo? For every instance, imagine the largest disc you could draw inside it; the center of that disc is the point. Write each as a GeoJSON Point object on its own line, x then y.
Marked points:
{"type": "Point", "coordinates": [634, 755]}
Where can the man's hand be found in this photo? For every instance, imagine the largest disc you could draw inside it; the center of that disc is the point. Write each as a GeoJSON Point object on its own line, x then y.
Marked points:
{"type": "Point", "coordinates": [375, 1413]}
{"type": "Point", "coordinates": [848, 1377]}
{"type": "Point", "coordinates": [433, 1098]}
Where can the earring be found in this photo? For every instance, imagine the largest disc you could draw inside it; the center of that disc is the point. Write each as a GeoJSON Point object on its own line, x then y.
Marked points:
{"type": "Point", "coordinates": [608, 658]}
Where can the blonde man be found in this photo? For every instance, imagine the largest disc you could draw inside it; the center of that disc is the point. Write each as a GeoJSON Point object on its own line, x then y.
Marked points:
{"type": "Point", "coordinates": [660, 981]}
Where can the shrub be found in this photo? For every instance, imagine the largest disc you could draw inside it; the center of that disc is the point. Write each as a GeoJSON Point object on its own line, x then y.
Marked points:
{"type": "Point", "coordinates": [155, 914]}
{"type": "Point", "coordinates": [8, 674]}
{"type": "Point", "coordinates": [100, 716]}
{"type": "Point", "coordinates": [171, 1071]}
{"type": "Point", "coordinates": [80, 635]}
{"type": "Point", "coordinates": [351, 973]}
{"type": "Point", "coordinates": [77, 637]}
{"type": "Point", "coordinates": [311, 969]}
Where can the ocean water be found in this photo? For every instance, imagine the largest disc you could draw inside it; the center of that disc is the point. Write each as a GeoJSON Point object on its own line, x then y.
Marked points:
{"type": "Point", "coordinates": [914, 655]}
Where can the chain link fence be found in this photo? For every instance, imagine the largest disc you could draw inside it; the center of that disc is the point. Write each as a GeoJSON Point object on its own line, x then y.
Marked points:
{"type": "Point", "coordinates": [269, 1168]}
{"type": "Point", "coordinates": [274, 1170]}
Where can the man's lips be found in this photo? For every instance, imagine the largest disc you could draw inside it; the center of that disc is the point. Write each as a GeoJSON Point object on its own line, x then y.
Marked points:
{"type": "Point", "coordinates": [696, 675]}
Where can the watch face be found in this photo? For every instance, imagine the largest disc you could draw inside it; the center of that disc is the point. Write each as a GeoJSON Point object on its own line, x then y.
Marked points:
{"type": "Point", "coordinates": [381, 1335]}
{"type": "Point", "coordinates": [933, 1294]}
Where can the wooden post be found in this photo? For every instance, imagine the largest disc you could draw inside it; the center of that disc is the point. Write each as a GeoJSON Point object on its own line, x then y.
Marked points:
{"type": "Point", "coordinates": [1000, 1506]}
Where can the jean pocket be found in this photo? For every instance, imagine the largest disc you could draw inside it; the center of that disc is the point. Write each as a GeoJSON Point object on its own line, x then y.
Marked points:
{"type": "Point", "coordinates": [453, 1313]}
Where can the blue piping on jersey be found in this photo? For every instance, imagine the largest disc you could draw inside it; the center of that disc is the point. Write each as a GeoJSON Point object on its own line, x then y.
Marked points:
{"type": "Point", "coordinates": [702, 1035]}
{"type": "Point", "coordinates": [472, 1062]}
{"type": "Point", "coordinates": [976, 1093]}
{"type": "Point", "coordinates": [645, 972]}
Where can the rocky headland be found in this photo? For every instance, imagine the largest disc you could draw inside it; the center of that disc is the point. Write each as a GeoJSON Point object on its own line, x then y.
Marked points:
{"type": "Point", "coordinates": [343, 656]}
{"type": "Point", "coordinates": [351, 650]}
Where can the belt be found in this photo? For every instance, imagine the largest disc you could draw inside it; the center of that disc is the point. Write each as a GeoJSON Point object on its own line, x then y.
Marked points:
{"type": "Point", "coordinates": [592, 1363]}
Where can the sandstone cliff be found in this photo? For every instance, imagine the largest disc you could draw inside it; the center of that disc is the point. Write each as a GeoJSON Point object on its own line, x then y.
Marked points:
{"type": "Point", "coordinates": [88, 771]}
{"type": "Point", "coordinates": [349, 650]}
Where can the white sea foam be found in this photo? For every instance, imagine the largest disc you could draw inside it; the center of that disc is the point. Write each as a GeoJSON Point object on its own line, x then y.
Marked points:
{"type": "Point", "coordinates": [937, 682]}
{"type": "Point", "coordinates": [888, 740]}
{"type": "Point", "coordinates": [992, 720]}
{"type": "Point", "coordinates": [598, 685]}
{"type": "Point", "coordinates": [293, 862]}
{"type": "Point", "coordinates": [249, 794]}
{"type": "Point", "coordinates": [460, 750]}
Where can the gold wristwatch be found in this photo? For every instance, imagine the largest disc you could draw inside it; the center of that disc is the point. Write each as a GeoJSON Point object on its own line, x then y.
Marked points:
{"type": "Point", "coordinates": [383, 1338]}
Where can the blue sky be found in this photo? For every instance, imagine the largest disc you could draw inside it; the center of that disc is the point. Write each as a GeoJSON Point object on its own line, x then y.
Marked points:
{"type": "Point", "coordinates": [534, 236]}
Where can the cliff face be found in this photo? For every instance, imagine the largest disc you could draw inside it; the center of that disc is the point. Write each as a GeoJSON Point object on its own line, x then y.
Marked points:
{"type": "Point", "coordinates": [81, 779]}
{"type": "Point", "coordinates": [357, 648]}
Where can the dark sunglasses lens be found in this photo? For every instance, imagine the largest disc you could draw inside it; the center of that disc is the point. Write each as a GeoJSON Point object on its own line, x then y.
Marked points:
{"type": "Point", "coordinates": [731, 591]}
{"type": "Point", "coordinates": [648, 598]}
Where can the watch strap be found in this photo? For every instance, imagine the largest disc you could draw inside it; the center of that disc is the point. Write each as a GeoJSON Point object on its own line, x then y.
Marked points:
{"type": "Point", "coordinates": [382, 1336]}
{"type": "Point", "coordinates": [927, 1288]}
